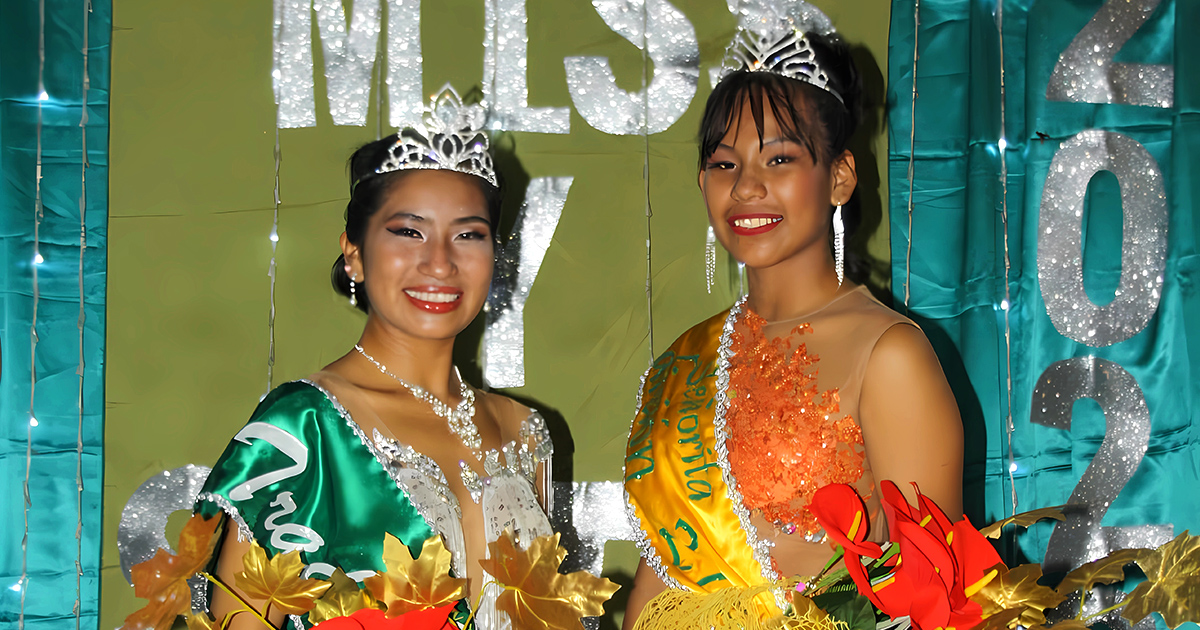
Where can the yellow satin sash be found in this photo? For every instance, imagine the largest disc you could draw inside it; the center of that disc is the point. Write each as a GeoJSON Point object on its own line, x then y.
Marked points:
{"type": "Point", "coordinates": [691, 533]}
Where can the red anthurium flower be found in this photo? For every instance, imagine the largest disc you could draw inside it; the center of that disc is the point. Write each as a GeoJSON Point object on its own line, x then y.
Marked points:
{"type": "Point", "coordinates": [841, 513]}
{"type": "Point", "coordinates": [940, 564]}
{"type": "Point", "coordinates": [374, 619]}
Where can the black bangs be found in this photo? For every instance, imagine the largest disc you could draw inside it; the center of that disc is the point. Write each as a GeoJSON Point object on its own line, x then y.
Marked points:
{"type": "Point", "coordinates": [806, 114]}
{"type": "Point", "coordinates": [783, 95]}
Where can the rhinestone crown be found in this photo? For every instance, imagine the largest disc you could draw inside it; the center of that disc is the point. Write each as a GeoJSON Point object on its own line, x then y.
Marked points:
{"type": "Point", "coordinates": [451, 137]}
{"type": "Point", "coordinates": [773, 40]}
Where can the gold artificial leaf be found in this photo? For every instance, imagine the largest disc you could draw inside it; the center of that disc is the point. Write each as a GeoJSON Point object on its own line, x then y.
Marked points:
{"type": "Point", "coordinates": [1001, 620]}
{"type": "Point", "coordinates": [163, 578]}
{"type": "Point", "coordinates": [277, 581]}
{"type": "Point", "coordinates": [1106, 570]}
{"type": "Point", "coordinates": [1172, 586]}
{"type": "Point", "coordinates": [536, 596]}
{"type": "Point", "coordinates": [1024, 519]}
{"type": "Point", "coordinates": [1017, 588]}
{"type": "Point", "coordinates": [409, 584]}
{"type": "Point", "coordinates": [201, 621]}
{"type": "Point", "coordinates": [344, 598]}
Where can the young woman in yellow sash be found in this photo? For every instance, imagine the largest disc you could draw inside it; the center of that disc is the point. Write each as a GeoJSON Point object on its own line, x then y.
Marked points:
{"type": "Point", "coordinates": [806, 381]}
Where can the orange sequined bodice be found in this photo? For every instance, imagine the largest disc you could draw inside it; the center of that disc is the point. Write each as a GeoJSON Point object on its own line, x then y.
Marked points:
{"type": "Point", "coordinates": [786, 438]}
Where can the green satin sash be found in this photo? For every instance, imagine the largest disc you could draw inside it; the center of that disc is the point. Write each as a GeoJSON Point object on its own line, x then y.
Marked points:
{"type": "Point", "coordinates": [300, 475]}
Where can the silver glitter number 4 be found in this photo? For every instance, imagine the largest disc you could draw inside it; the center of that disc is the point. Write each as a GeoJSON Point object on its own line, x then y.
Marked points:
{"type": "Point", "coordinates": [1086, 72]}
{"type": "Point", "coordinates": [516, 269]}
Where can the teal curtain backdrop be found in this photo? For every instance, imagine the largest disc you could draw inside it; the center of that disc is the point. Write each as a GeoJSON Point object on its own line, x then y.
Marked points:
{"type": "Point", "coordinates": [50, 474]}
{"type": "Point", "coordinates": [1075, 384]}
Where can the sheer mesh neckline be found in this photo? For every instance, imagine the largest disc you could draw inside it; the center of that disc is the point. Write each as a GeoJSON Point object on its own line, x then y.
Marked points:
{"type": "Point", "coordinates": [836, 298]}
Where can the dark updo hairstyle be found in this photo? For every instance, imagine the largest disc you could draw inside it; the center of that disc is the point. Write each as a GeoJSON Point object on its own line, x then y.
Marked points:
{"type": "Point", "coordinates": [806, 114]}
{"type": "Point", "coordinates": [368, 190]}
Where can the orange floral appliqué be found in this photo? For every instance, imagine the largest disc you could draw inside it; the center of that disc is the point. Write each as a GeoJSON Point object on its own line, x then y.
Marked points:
{"type": "Point", "coordinates": [785, 437]}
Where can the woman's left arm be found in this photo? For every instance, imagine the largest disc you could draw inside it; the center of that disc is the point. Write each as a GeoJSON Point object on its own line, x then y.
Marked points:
{"type": "Point", "coordinates": [910, 421]}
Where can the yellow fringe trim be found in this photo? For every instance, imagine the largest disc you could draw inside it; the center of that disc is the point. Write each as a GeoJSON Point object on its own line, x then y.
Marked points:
{"type": "Point", "coordinates": [734, 608]}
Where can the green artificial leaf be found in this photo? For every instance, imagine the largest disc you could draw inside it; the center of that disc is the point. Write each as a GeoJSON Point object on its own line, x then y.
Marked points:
{"type": "Point", "coordinates": [850, 608]}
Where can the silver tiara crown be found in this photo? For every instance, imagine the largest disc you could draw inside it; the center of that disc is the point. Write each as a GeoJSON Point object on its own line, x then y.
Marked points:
{"type": "Point", "coordinates": [451, 137]}
{"type": "Point", "coordinates": [772, 39]}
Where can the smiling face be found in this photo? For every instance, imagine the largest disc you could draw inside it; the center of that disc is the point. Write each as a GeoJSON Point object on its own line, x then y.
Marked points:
{"type": "Point", "coordinates": [769, 201]}
{"type": "Point", "coordinates": [427, 255]}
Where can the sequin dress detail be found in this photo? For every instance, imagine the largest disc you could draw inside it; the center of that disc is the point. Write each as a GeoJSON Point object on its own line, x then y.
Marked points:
{"type": "Point", "coordinates": [787, 437]}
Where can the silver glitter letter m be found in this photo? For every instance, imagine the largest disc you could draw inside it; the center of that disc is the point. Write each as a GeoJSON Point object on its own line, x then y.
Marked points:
{"type": "Point", "coordinates": [505, 64]}
{"type": "Point", "coordinates": [349, 59]}
{"type": "Point", "coordinates": [516, 269]}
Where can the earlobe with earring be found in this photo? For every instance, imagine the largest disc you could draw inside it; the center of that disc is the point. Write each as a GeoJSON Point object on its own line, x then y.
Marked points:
{"type": "Point", "coordinates": [839, 244]}
{"type": "Point", "coordinates": [353, 277]}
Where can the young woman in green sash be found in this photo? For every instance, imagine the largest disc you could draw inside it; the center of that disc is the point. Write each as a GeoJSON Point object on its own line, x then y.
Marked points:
{"type": "Point", "coordinates": [389, 438]}
{"type": "Point", "coordinates": [806, 381]}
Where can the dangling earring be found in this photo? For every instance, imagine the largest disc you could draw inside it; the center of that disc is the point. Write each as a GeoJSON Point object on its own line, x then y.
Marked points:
{"type": "Point", "coordinates": [710, 258]}
{"type": "Point", "coordinates": [839, 245]}
{"type": "Point", "coordinates": [353, 297]}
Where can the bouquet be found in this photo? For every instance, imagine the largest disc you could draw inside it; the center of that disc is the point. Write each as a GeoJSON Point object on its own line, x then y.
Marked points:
{"type": "Point", "coordinates": [411, 593]}
{"type": "Point", "coordinates": [936, 574]}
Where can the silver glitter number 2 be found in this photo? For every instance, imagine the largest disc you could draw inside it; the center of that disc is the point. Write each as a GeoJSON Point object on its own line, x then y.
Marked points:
{"type": "Point", "coordinates": [516, 269]}
{"type": "Point", "coordinates": [1081, 538]}
{"type": "Point", "coordinates": [1086, 72]}
{"type": "Point", "coordinates": [1143, 244]}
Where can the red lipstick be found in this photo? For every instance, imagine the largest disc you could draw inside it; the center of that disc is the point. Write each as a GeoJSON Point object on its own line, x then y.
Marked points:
{"type": "Point", "coordinates": [434, 299]}
{"type": "Point", "coordinates": [761, 223]}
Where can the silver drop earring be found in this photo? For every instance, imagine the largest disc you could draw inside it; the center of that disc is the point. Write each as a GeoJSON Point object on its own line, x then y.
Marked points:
{"type": "Point", "coordinates": [353, 297]}
{"type": "Point", "coordinates": [710, 259]}
{"type": "Point", "coordinates": [839, 245]}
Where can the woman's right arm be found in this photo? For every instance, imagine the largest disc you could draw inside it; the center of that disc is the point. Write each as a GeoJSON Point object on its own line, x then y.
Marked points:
{"type": "Point", "coordinates": [229, 564]}
{"type": "Point", "coordinates": [646, 585]}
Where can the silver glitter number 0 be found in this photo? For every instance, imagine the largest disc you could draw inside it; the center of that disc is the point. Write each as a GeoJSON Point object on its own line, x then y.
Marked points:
{"type": "Point", "coordinates": [1086, 72]}
{"type": "Point", "coordinates": [1143, 243]}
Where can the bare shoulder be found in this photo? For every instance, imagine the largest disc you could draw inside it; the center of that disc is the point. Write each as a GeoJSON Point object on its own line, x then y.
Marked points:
{"type": "Point", "coordinates": [910, 420]}
{"type": "Point", "coordinates": [902, 347]}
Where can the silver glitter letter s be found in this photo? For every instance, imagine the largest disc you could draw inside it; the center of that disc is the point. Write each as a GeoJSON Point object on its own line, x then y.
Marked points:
{"type": "Point", "coordinates": [505, 64]}
{"type": "Point", "coordinates": [1086, 73]}
{"type": "Point", "coordinates": [1143, 245]}
{"type": "Point", "coordinates": [349, 58]}
{"type": "Point", "coordinates": [516, 269]}
{"type": "Point", "coordinates": [669, 40]}
{"type": "Point", "coordinates": [406, 93]}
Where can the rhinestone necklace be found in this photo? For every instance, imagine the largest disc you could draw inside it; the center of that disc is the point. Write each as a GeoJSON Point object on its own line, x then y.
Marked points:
{"type": "Point", "coordinates": [460, 419]}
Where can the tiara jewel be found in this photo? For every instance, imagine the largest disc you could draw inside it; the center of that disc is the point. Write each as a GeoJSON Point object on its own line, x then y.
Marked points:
{"type": "Point", "coordinates": [450, 137]}
{"type": "Point", "coordinates": [769, 40]}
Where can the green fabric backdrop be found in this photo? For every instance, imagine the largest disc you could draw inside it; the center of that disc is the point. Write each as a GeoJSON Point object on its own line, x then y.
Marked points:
{"type": "Point", "coordinates": [61, 560]}
{"type": "Point", "coordinates": [956, 268]}
{"type": "Point", "coordinates": [191, 206]}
